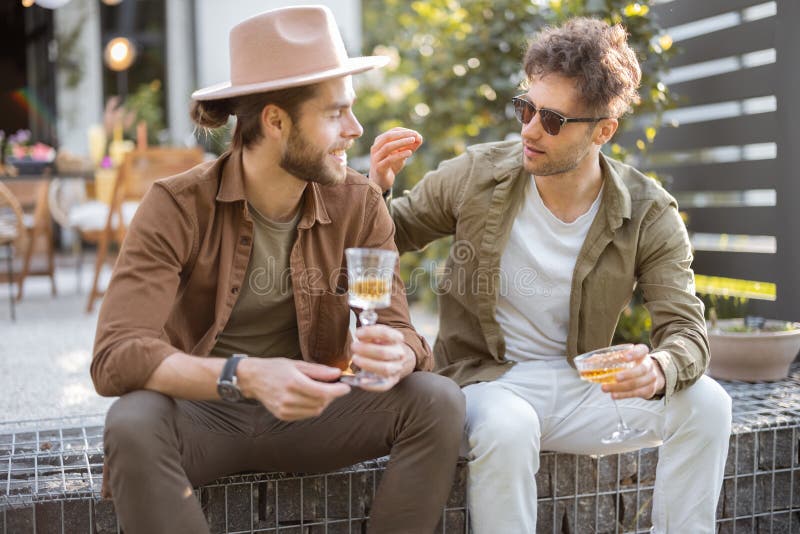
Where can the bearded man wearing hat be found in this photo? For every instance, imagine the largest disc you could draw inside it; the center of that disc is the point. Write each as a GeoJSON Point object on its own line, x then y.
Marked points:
{"type": "Point", "coordinates": [244, 256]}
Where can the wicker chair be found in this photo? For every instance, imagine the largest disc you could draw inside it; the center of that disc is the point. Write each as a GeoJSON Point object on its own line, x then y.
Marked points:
{"type": "Point", "coordinates": [12, 230]}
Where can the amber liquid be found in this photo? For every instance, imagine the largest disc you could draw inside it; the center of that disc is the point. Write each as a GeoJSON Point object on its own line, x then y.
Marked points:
{"type": "Point", "coordinates": [605, 375]}
{"type": "Point", "coordinates": [375, 291]}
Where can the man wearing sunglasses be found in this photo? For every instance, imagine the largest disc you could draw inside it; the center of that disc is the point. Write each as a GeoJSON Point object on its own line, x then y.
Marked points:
{"type": "Point", "coordinates": [551, 238]}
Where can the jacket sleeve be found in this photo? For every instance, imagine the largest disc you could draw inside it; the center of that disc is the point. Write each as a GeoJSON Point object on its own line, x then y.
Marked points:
{"type": "Point", "coordinates": [430, 210]}
{"type": "Point", "coordinates": [130, 341]}
{"type": "Point", "coordinates": [380, 234]}
{"type": "Point", "coordinates": [666, 280]}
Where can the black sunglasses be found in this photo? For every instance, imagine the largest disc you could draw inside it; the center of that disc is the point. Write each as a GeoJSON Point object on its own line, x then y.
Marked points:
{"type": "Point", "coordinates": [551, 121]}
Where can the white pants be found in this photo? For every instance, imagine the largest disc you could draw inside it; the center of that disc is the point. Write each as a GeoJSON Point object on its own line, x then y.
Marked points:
{"type": "Point", "coordinates": [543, 405]}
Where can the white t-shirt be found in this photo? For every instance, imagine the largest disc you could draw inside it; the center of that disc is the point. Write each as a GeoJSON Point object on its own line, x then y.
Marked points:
{"type": "Point", "coordinates": [536, 276]}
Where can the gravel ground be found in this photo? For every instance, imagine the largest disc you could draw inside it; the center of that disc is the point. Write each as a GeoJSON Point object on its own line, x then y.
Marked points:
{"type": "Point", "coordinates": [45, 354]}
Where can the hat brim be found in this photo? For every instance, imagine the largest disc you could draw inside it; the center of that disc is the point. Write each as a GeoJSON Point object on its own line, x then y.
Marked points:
{"type": "Point", "coordinates": [353, 65]}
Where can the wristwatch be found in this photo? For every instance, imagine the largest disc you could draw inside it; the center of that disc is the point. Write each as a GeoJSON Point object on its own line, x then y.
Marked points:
{"type": "Point", "coordinates": [227, 384]}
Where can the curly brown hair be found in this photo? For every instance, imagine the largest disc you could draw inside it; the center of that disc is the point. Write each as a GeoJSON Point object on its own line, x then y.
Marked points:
{"type": "Point", "coordinates": [210, 114]}
{"type": "Point", "coordinates": [596, 55]}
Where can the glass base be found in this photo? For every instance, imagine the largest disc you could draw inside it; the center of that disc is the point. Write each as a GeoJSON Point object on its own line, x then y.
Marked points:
{"type": "Point", "coordinates": [623, 434]}
{"type": "Point", "coordinates": [362, 378]}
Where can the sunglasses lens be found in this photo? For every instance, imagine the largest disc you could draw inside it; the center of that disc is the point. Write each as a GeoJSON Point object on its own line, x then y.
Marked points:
{"type": "Point", "coordinates": [523, 110]}
{"type": "Point", "coordinates": [551, 122]}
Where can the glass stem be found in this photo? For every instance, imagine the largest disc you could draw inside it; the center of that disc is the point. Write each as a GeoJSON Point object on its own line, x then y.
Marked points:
{"type": "Point", "coordinates": [621, 425]}
{"type": "Point", "coordinates": [368, 317]}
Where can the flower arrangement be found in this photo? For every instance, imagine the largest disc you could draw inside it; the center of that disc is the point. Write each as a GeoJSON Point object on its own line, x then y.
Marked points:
{"type": "Point", "coordinates": [21, 152]}
{"type": "Point", "coordinates": [18, 146]}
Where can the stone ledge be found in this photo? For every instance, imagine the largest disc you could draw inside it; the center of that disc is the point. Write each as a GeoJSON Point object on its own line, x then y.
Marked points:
{"type": "Point", "coordinates": [54, 476]}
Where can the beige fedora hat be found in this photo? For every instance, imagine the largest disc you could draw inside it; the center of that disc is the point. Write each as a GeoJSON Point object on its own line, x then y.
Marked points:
{"type": "Point", "coordinates": [286, 47]}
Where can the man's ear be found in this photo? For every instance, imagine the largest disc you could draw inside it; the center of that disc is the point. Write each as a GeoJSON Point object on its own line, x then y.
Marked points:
{"type": "Point", "coordinates": [275, 122]}
{"type": "Point", "coordinates": [605, 130]}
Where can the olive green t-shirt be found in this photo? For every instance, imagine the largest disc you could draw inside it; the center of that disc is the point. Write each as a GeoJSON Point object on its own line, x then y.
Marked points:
{"type": "Point", "coordinates": [263, 321]}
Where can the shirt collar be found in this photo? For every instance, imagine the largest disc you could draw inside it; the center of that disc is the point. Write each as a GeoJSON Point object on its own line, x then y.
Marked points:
{"type": "Point", "coordinates": [230, 168]}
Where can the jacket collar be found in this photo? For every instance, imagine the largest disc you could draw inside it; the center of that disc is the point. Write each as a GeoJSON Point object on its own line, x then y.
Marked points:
{"type": "Point", "coordinates": [230, 169]}
{"type": "Point", "coordinates": [616, 197]}
{"type": "Point", "coordinates": [506, 162]}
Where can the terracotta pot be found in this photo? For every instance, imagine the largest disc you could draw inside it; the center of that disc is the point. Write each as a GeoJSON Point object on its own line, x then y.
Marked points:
{"type": "Point", "coordinates": [752, 356]}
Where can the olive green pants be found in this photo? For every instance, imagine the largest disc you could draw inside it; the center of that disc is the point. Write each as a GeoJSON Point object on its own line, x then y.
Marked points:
{"type": "Point", "coordinates": [157, 448]}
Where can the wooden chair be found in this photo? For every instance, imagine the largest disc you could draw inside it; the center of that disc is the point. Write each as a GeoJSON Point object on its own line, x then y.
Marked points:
{"type": "Point", "coordinates": [137, 173]}
{"type": "Point", "coordinates": [12, 228]}
{"type": "Point", "coordinates": [73, 209]}
{"type": "Point", "coordinates": [31, 194]}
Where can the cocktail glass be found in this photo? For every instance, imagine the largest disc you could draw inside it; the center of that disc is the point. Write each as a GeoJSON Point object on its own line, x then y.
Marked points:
{"type": "Point", "coordinates": [369, 277]}
{"type": "Point", "coordinates": [601, 367]}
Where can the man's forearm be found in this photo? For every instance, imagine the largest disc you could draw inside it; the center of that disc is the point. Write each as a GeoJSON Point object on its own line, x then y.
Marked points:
{"type": "Point", "coordinates": [187, 377]}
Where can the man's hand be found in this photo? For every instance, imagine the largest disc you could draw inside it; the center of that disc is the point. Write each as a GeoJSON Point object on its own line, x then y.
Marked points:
{"type": "Point", "coordinates": [290, 389]}
{"type": "Point", "coordinates": [380, 349]}
{"type": "Point", "coordinates": [389, 153]}
{"type": "Point", "coordinates": [645, 379]}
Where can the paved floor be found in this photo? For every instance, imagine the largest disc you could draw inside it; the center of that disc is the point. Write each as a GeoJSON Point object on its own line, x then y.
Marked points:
{"type": "Point", "coordinates": [45, 354]}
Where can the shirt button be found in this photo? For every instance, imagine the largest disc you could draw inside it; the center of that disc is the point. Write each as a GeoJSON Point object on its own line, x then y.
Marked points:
{"type": "Point", "coordinates": [234, 290]}
{"type": "Point", "coordinates": [244, 240]}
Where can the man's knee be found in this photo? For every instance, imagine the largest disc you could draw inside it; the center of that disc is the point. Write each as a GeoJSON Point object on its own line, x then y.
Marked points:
{"type": "Point", "coordinates": [435, 398]}
{"type": "Point", "coordinates": [139, 421]}
{"type": "Point", "coordinates": [708, 406]}
{"type": "Point", "coordinates": [499, 421]}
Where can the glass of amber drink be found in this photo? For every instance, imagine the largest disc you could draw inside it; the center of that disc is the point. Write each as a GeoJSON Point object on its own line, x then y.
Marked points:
{"type": "Point", "coordinates": [369, 279]}
{"type": "Point", "coordinates": [601, 367]}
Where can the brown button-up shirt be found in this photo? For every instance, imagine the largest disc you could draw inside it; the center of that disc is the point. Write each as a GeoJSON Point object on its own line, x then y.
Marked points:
{"type": "Point", "coordinates": [637, 239]}
{"type": "Point", "coordinates": [184, 260]}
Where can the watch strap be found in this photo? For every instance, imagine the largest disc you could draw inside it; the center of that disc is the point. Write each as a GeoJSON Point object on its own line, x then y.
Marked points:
{"type": "Point", "coordinates": [229, 369]}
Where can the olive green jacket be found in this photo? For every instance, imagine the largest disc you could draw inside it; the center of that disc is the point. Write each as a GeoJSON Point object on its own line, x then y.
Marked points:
{"type": "Point", "coordinates": [637, 238]}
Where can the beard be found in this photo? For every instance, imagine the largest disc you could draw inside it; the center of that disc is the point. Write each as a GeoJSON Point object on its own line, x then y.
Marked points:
{"type": "Point", "coordinates": [563, 161]}
{"type": "Point", "coordinates": [305, 161]}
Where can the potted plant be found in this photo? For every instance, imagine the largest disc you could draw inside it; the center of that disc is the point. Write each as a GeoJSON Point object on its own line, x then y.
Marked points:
{"type": "Point", "coordinates": [751, 349]}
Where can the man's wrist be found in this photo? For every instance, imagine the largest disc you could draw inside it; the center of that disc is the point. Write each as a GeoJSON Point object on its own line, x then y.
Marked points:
{"type": "Point", "coordinates": [661, 378]}
{"type": "Point", "coordinates": [244, 376]}
{"type": "Point", "coordinates": [410, 361]}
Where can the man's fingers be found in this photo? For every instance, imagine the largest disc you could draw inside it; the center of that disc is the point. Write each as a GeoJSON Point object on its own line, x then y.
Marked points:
{"type": "Point", "coordinates": [408, 143]}
{"type": "Point", "coordinates": [398, 132]}
{"type": "Point", "coordinates": [379, 367]}
{"type": "Point", "coordinates": [630, 384]}
{"type": "Point", "coordinates": [379, 334]}
{"type": "Point", "coordinates": [393, 162]}
{"type": "Point", "coordinates": [318, 371]}
{"type": "Point", "coordinates": [637, 352]}
{"type": "Point", "coordinates": [386, 353]}
{"type": "Point", "coordinates": [314, 381]}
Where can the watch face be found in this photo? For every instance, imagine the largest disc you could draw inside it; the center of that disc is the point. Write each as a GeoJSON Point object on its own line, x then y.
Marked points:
{"type": "Point", "coordinates": [229, 392]}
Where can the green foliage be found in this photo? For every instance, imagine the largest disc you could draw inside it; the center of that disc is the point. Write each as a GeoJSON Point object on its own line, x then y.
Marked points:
{"type": "Point", "coordinates": [146, 104]}
{"type": "Point", "coordinates": [726, 307]}
{"type": "Point", "coordinates": [634, 324]}
{"type": "Point", "coordinates": [456, 65]}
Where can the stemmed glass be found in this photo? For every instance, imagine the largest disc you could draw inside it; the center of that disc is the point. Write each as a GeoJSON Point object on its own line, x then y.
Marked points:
{"type": "Point", "coordinates": [369, 279]}
{"type": "Point", "coordinates": [601, 367]}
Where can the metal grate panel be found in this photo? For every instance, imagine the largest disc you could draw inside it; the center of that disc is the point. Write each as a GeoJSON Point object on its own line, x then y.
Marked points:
{"type": "Point", "coordinates": [51, 470]}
